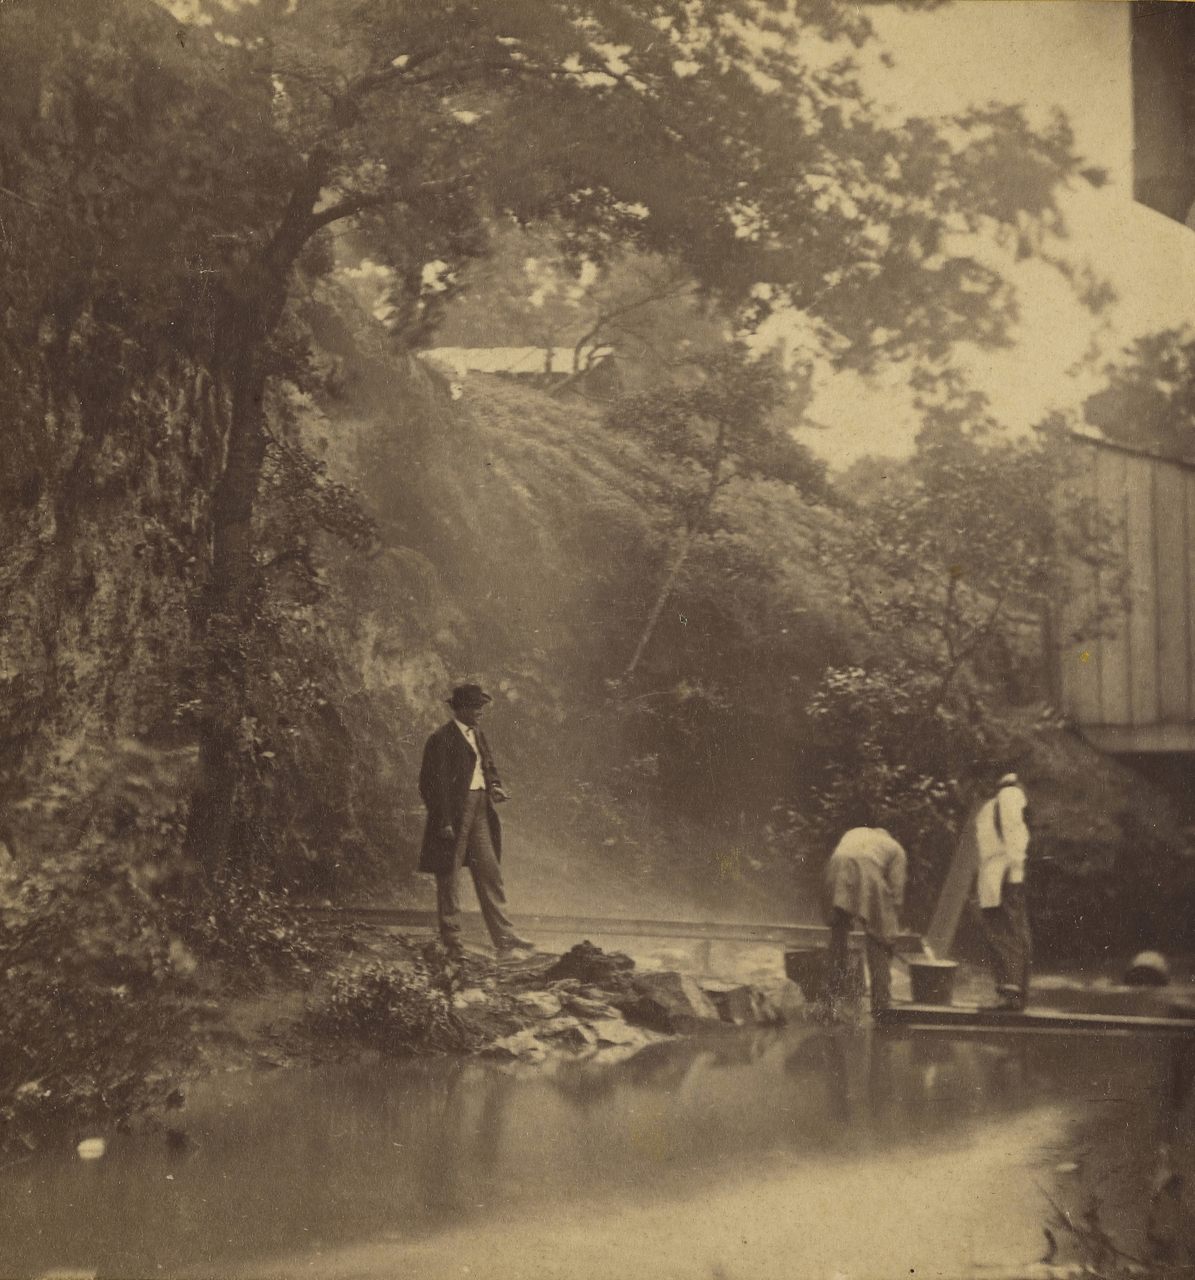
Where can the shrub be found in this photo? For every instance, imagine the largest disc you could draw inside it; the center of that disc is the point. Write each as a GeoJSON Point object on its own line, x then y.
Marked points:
{"type": "Point", "coordinates": [95, 996]}
{"type": "Point", "coordinates": [888, 750]}
{"type": "Point", "coordinates": [393, 1008]}
{"type": "Point", "coordinates": [240, 921]}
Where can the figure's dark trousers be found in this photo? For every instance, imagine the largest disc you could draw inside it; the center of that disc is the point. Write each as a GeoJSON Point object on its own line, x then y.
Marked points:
{"type": "Point", "coordinates": [1006, 930]}
{"type": "Point", "coordinates": [474, 849]}
{"type": "Point", "coordinates": [879, 971]}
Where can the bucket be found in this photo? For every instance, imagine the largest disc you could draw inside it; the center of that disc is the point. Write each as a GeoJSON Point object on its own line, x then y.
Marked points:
{"type": "Point", "coordinates": [932, 981]}
{"type": "Point", "coordinates": [807, 966]}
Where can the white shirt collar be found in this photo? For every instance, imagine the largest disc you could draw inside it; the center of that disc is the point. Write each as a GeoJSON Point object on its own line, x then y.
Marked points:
{"type": "Point", "coordinates": [466, 729]}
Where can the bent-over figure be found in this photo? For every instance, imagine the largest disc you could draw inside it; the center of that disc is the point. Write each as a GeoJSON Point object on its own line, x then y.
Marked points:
{"type": "Point", "coordinates": [865, 881]}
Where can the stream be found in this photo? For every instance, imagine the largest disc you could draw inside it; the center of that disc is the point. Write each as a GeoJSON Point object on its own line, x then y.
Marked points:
{"type": "Point", "coordinates": [802, 1152]}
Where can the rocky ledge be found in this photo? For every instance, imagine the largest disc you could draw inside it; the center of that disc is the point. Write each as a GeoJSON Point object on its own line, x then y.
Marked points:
{"type": "Point", "coordinates": [592, 1001]}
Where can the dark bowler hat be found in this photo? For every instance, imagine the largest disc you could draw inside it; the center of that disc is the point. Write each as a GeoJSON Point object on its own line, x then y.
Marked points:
{"type": "Point", "coordinates": [469, 695]}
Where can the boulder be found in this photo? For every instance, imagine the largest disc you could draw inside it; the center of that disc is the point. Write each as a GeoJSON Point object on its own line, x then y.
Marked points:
{"type": "Point", "coordinates": [617, 1031]}
{"type": "Point", "coordinates": [566, 984]}
{"type": "Point", "coordinates": [540, 1004]}
{"type": "Point", "coordinates": [557, 1026]}
{"type": "Point", "coordinates": [734, 1002]}
{"type": "Point", "coordinates": [586, 1008]}
{"type": "Point", "coordinates": [578, 1036]}
{"type": "Point", "coordinates": [671, 1002]}
{"type": "Point", "coordinates": [1148, 969]}
{"type": "Point", "coordinates": [591, 964]}
{"type": "Point", "coordinates": [742, 1005]}
{"type": "Point", "coordinates": [468, 996]}
{"type": "Point", "coordinates": [522, 1045]}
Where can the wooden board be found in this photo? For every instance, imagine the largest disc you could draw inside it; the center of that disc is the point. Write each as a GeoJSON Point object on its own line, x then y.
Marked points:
{"type": "Point", "coordinates": [1170, 542]}
{"type": "Point", "coordinates": [1111, 648]}
{"type": "Point", "coordinates": [1189, 544]}
{"type": "Point", "coordinates": [794, 935]}
{"type": "Point", "coordinates": [956, 888]}
{"type": "Point", "coordinates": [1143, 589]}
{"type": "Point", "coordinates": [1080, 654]}
{"type": "Point", "coordinates": [975, 1017]}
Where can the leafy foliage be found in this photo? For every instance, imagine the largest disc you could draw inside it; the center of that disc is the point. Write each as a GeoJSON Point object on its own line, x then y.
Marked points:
{"type": "Point", "coordinates": [1149, 399]}
{"type": "Point", "coordinates": [392, 1008]}
{"type": "Point", "coordinates": [959, 567]}
{"type": "Point", "coordinates": [718, 427]}
{"type": "Point", "coordinates": [965, 553]}
{"type": "Point", "coordinates": [104, 926]}
{"type": "Point", "coordinates": [96, 996]}
{"type": "Point", "coordinates": [171, 172]}
{"type": "Point", "coordinates": [642, 308]}
{"type": "Point", "coordinates": [892, 758]}
{"type": "Point", "coordinates": [177, 180]}
{"type": "Point", "coordinates": [242, 922]}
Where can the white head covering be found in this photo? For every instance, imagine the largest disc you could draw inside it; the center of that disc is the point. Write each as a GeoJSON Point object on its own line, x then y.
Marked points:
{"type": "Point", "coordinates": [1010, 780]}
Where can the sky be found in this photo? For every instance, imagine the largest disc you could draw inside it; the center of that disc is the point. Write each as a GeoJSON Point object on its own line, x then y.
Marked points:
{"type": "Point", "coordinates": [1046, 54]}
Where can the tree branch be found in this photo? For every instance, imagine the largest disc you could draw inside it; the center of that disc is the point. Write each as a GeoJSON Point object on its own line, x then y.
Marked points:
{"type": "Point", "coordinates": [351, 205]}
{"type": "Point", "coordinates": [360, 87]}
{"type": "Point", "coordinates": [345, 208]}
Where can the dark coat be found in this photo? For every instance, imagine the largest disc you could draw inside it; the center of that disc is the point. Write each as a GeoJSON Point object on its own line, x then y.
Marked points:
{"type": "Point", "coordinates": [444, 786]}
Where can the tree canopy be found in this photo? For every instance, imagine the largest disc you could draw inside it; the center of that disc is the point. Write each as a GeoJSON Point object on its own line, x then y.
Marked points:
{"type": "Point", "coordinates": [170, 175]}
{"type": "Point", "coordinates": [1148, 399]}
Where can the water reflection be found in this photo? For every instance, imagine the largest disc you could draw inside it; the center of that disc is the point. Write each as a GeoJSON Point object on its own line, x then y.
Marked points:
{"type": "Point", "coordinates": [917, 1084]}
{"type": "Point", "coordinates": [305, 1161]}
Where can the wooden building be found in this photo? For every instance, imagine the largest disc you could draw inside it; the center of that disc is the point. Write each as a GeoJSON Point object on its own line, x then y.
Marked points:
{"type": "Point", "coordinates": [1131, 687]}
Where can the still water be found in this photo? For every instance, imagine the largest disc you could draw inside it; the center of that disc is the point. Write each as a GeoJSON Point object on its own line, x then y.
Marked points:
{"type": "Point", "coordinates": [798, 1153]}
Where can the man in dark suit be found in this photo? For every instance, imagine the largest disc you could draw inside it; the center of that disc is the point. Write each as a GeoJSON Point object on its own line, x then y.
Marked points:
{"type": "Point", "coordinates": [460, 788]}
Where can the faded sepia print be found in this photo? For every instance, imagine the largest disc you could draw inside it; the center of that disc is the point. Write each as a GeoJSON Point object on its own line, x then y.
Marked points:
{"type": "Point", "coordinates": [597, 639]}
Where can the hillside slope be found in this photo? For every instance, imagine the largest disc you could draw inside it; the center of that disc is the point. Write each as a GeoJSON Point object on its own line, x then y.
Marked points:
{"type": "Point", "coordinates": [523, 545]}
{"type": "Point", "coordinates": [519, 542]}
{"type": "Point", "coordinates": [525, 542]}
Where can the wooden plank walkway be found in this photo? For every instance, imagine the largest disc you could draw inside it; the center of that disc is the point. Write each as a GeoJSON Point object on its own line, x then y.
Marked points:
{"type": "Point", "coordinates": [578, 927]}
{"type": "Point", "coordinates": [971, 1017]}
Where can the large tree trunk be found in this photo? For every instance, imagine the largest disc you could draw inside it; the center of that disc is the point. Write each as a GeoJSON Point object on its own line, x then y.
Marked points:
{"type": "Point", "coordinates": [257, 301]}
{"type": "Point", "coordinates": [228, 613]}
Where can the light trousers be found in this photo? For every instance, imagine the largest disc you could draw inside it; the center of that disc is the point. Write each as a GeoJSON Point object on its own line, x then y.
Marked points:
{"type": "Point", "coordinates": [474, 849]}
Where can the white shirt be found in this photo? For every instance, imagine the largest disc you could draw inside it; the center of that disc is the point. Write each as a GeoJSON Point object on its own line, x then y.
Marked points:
{"type": "Point", "coordinates": [1003, 850]}
{"type": "Point", "coordinates": [478, 783]}
{"type": "Point", "coordinates": [1010, 804]}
